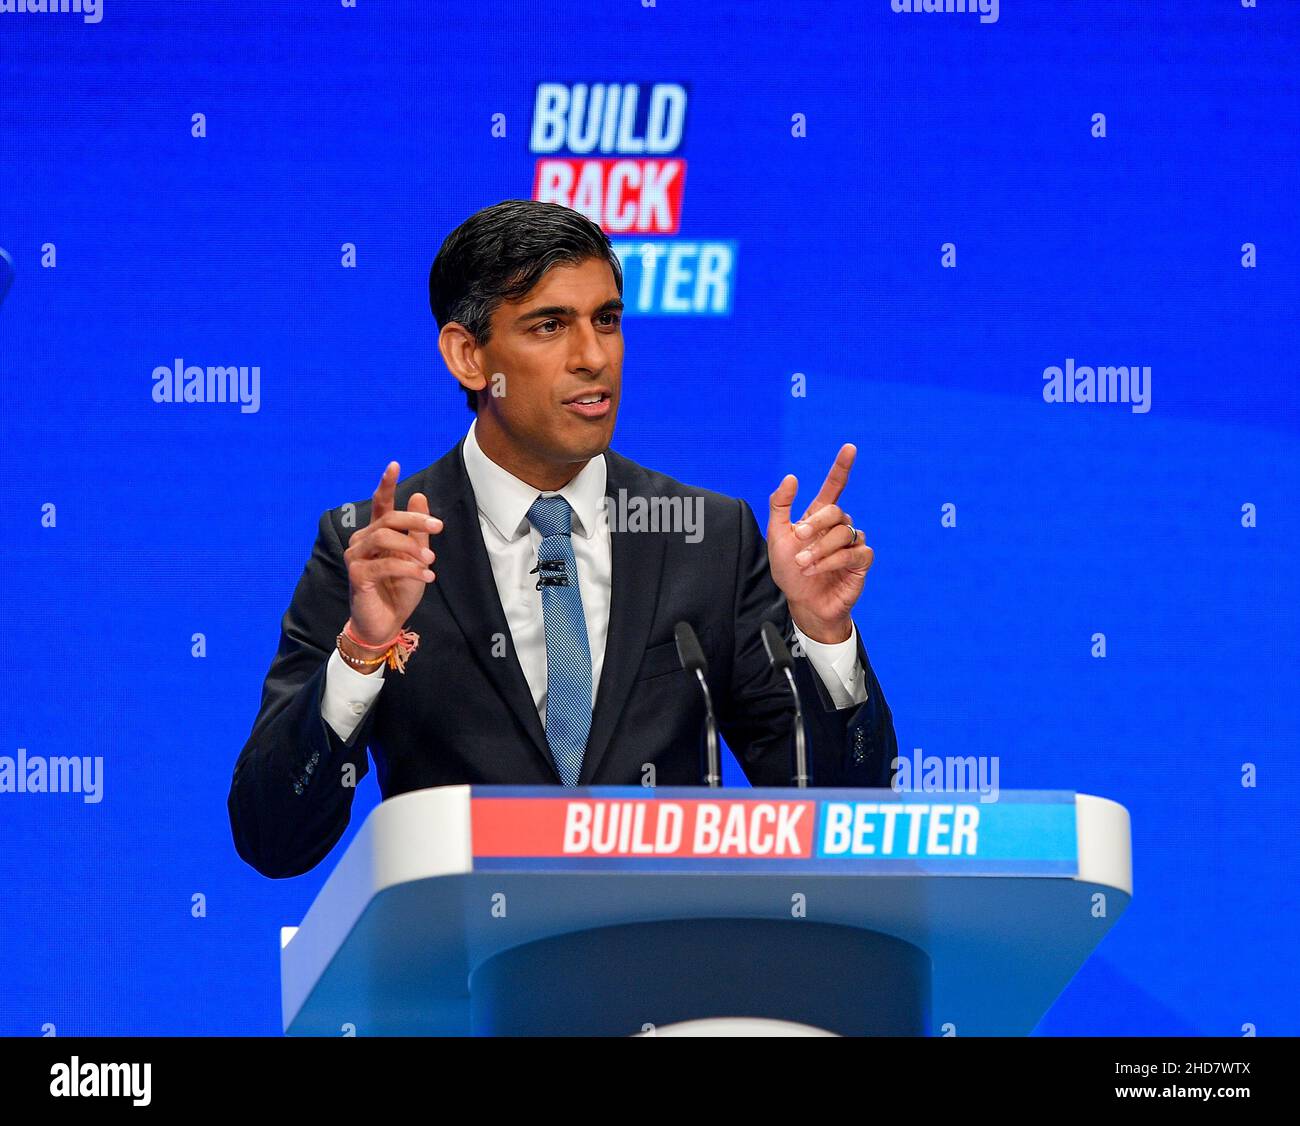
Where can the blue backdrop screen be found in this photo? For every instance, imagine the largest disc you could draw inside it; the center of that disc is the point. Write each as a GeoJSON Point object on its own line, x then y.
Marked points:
{"type": "Point", "coordinates": [918, 232]}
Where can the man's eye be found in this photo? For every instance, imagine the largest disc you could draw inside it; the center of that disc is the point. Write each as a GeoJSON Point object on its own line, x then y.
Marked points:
{"type": "Point", "coordinates": [614, 321]}
{"type": "Point", "coordinates": [544, 324]}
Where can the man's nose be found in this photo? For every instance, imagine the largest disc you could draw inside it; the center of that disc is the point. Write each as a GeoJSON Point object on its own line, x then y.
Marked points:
{"type": "Point", "coordinates": [588, 351]}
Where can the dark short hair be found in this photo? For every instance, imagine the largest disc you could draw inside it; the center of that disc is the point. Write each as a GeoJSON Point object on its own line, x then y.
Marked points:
{"type": "Point", "coordinates": [500, 253]}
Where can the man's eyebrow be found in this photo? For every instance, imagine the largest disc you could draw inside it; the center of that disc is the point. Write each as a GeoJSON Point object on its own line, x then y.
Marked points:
{"type": "Point", "coordinates": [613, 305]}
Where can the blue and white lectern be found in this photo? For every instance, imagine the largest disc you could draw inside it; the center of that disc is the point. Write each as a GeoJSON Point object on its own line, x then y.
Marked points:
{"type": "Point", "coordinates": [613, 910]}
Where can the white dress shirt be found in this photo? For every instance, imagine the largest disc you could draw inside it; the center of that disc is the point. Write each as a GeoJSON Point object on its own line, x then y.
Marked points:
{"type": "Point", "coordinates": [512, 544]}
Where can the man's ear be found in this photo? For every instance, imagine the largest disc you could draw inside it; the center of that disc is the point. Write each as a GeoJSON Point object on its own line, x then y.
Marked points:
{"type": "Point", "coordinates": [459, 350]}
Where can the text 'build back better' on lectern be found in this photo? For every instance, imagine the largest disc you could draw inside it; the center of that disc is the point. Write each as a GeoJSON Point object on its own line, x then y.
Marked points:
{"type": "Point", "coordinates": [616, 910]}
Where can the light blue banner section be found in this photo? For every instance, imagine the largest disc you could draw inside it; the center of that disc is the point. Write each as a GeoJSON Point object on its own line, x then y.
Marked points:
{"type": "Point", "coordinates": [1017, 834]}
{"type": "Point", "coordinates": [677, 277]}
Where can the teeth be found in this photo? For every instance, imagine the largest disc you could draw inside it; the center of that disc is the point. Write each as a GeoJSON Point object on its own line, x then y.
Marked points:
{"type": "Point", "coordinates": [593, 399]}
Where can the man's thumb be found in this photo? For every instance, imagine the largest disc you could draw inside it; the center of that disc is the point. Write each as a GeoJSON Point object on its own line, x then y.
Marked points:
{"type": "Point", "coordinates": [781, 500]}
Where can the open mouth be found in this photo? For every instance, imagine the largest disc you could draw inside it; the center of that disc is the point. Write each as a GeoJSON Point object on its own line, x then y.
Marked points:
{"type": "Point", "coordinates": [594, 404]}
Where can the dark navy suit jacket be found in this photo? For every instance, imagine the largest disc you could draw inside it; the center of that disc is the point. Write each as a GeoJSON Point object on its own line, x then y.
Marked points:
{"type": "Point", "coordinates": [463, 712]}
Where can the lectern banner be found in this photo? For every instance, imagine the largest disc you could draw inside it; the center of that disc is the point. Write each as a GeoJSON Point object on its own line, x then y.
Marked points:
{"type": "Point", "coordinates": [1027, 833]}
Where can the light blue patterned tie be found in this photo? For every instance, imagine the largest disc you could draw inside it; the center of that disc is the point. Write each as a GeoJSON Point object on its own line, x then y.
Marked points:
{"type": "Point", "coordinates": [568, 656]}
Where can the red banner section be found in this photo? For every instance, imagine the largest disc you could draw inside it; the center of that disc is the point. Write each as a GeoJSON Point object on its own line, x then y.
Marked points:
{"type": "Point", "coordinates": [642, 196]}
{"type": "Point", "coordinates": [641, 827]}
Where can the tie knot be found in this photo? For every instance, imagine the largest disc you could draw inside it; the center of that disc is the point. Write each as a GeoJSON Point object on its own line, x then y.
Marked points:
{"type": "Point", "coordinates": [551, 516]}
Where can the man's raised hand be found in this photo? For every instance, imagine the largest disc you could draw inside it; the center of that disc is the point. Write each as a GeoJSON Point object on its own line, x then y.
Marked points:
{"type": "Point", "coordinates": [816, 561]}
{"type": "Point", "coordinates": [388, 562]}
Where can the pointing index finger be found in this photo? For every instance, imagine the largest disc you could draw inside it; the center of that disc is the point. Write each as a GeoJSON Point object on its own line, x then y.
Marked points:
{"type": "Point", "coordinates": [836, 479]}
{"type": "Point", "coordinates": [385, 492]}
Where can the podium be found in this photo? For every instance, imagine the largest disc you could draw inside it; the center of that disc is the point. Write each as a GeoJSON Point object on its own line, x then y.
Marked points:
{"type": "Point", "coordinates": [491, 910]}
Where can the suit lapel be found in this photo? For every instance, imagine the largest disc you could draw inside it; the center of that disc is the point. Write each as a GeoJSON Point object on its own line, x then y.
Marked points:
{"type": "Point", "coordinates": [636, 562]}
{"type": "Point", "coordinates": [469, 592]}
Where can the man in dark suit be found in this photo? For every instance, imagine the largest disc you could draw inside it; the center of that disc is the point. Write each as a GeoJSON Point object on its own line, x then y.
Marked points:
{"type": "Point", "coordinates": [544, 652]}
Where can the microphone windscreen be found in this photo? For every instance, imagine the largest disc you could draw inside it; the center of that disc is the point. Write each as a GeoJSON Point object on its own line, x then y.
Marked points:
{"type": "Point", "coordinates": [688, 649]}
{"type": "Point", "coordinates": [777, 652]}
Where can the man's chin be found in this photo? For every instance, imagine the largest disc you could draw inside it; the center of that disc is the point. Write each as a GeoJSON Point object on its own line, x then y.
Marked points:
{"type": "Point", "coordinates": [594, 450]}
{"type": "Point", "coordinates": [594, 443]}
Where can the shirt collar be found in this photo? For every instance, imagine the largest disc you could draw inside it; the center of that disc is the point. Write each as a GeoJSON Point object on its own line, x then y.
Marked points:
{"type": "Point", "coordinates": [505, 500]}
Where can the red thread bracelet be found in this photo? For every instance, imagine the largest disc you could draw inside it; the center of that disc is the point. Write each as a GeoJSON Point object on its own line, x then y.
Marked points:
{"type": "Point", "coordinates": [352, 637]}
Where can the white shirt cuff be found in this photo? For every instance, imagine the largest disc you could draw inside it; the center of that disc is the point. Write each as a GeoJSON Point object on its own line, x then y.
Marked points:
{"type": "Point", "coordinates": [348, 695]}
{"type": "Point", "coordinates": [838, 666]}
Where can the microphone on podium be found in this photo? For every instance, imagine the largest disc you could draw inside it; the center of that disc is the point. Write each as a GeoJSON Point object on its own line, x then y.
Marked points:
{"type": "Point", "coordinates": [779, 658]}
{"type": "Point", "coordinates": [692, 658]}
